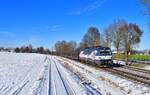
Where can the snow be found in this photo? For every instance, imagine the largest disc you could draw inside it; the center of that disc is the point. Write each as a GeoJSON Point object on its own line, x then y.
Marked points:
{"type": "Point", "coordinates": [57, 83]}
{"type": "Point", "coordinates": [145, 65]}
{"type": "Point", "coordinates": [36, 74]}
{"type": "Point", "coordinates": [105, 81]}
{"type": "Point", "coordinates": [21, 74]}
{"type": "Point", "coordinates": [119, 62]}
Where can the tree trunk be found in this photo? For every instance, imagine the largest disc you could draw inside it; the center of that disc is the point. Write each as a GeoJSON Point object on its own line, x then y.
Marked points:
{"type": "Point", "coordinates": [126, 57]}
{"type": "Point", "coordinates": [117, 51]}
{"type": "Point", "coordinates": [117, 55]}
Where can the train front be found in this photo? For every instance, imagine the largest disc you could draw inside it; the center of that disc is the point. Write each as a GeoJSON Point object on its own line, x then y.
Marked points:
{"type": "Point", "coordinates": [103, 56]}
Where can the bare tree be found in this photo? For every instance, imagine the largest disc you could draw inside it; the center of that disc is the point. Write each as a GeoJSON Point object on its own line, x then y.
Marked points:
{"type": "Point", "coordinates": [73, 45]}
{"type": "Point", "coordinates": [30, 48]}
{"type": "Point", "coordinates": [107, 39]}
{"type": "Point", "coordinates": [131, 37]}
{"type": "Point", "coordinates": [146, 9]}
{"type": "Point", "coordinates": [17, 49]}
{"type": "Point", "coordinates": [40, 50]}
{"type": "Point", "coordinates": [83, 44]}
{"type": "Point", "coordinates": [113, 34]}
{"type": "Point", "coordinates": [91, 38]}
{"type": "Point", "coordinates": [57, 46]}
{"type": "Point", "coordinates": [65, 48]}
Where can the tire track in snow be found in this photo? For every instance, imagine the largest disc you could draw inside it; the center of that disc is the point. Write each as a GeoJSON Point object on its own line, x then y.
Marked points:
{"type": "Point", "coordinates": [49, 91]}
{"type": "Point", "coordinates": [69, 90]}
{"type": "Point", "coordinates": [59, 82]}
{"type": "Point", "coordinates": [20, 88]}
{"type": "Point", "coordinates": [86, 85]}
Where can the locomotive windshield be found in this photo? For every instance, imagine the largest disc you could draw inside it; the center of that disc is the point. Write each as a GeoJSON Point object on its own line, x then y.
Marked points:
{"type": "Point", "coordinates": [104, 52]}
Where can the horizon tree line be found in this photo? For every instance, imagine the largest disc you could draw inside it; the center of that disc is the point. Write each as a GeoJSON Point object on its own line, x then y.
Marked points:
{"type": "Point", "coordinates": [29, 49]}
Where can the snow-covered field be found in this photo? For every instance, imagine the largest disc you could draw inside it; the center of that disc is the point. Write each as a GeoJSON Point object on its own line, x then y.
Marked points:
{"type": "Point", "coordinates": [36, 74]}
{"type": "Point", "coordinates": [22, 74]}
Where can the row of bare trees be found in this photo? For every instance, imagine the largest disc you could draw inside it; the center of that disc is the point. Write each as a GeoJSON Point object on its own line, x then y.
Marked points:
{"type": "Point", "coordinates": [123, 35]}
{"type": "Point", "coordinates": [65, 48]}
{"type": "Point", "coordinates": [30, 49]}
{"type": "Point", "coordinates": [119, 34]}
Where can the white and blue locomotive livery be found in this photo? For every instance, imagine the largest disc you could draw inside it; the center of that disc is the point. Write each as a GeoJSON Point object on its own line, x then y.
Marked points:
{"type": "Point", "coordinates": [96, 55]}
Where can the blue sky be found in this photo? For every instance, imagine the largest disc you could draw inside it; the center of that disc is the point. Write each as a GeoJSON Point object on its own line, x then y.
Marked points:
{"type": "Point", "coordinates": [43, 22]}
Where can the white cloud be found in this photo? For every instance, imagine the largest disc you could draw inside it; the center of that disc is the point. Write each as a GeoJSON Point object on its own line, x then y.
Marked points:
{"type": "Point", "coordinates": [45, 28]}
{"type": "Point", "coordinates": [88, 8]}
{"type": "Point", "coordinates": [54, 28]}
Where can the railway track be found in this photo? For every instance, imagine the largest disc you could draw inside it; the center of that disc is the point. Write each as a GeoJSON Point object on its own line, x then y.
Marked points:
{"type": "Point", "coordinates": [135, 74]}
{"type": "Point", "coordinates": [128, 74]}
{"type": "Point", "coordinates": [137, 69]}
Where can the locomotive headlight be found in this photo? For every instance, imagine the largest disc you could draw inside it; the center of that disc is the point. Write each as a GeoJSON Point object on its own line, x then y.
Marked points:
{"type": "Point", "coordinates": [97, 58]}
{"type": "Point", "coordinates": [108, 57]}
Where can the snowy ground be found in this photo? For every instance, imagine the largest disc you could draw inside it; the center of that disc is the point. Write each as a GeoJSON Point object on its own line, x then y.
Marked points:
{"type": "Point", "coordinates": [141, 65]}
{"type": "Point", "coordinates": [64, 82]}
{"type": "Point", "coordinates": [61, 81]}
{"type": "Point", "coordinates": [22, 74]}
{"type": "Point", "coordinates": [35, 74]}
{"type": "Point", "coordinates": [105, 81]}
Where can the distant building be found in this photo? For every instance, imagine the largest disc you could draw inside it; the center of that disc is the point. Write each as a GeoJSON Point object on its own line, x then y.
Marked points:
{"type": "Point", "coordinates": [146, 52]}
{"type": "Point", "coordinates": [115, 51]}
{"type": "Point", "coordinates": [137, 52]}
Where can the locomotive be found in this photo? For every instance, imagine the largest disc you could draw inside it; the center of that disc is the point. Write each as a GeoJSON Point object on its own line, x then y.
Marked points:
{"type": "Point", "coordinates": [99, 56]}
{"type": "Point", "coordinates": [96, 56]}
